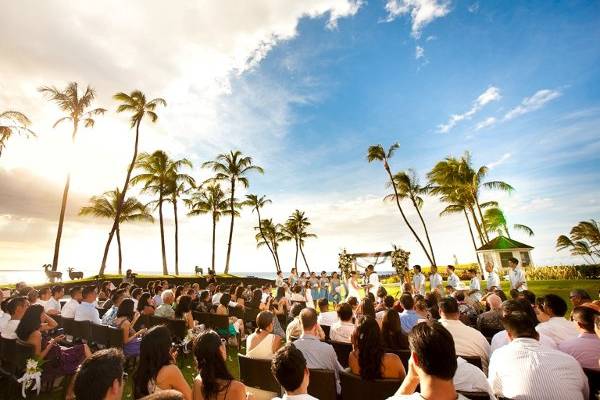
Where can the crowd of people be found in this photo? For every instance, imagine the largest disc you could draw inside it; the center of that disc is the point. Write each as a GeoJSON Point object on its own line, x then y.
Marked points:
{"type": "Point", "coordinates": [461, 338]}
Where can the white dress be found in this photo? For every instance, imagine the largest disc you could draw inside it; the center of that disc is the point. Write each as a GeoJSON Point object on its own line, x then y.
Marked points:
{"type": "Point", "coordinates": [352, 291]}
{"type": "Point", "coordinates": [264, 349]}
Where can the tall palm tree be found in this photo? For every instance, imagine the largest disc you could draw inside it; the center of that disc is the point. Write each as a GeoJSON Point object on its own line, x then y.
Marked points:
{"type": "Point", "coordinates": [495, 220]}
{"type": "Point", "coordinates": [77, 109]}
{"type": "Point", "coordinates": [257, 203]}
{"type": "Point", "coordinates": [270, 234]}
{"type": "Point", "coordinates": [136, 104]}
{"type": "Point", "coordinates": [105, 206]}
{"type": "Point", "coordinates": [584, 240]}
{"type": "Point", "coordinates": [179, 183]}
{"type": "Point", "coordinates": [378, 153]}
{"type": "Point", "coordinates": [209, 199]}
{"type": "Point", "coordinates": [588, 231]}
{"type": "Point", "coordinates": [156, 176]}
{"type": "Point", "coordinates": [296, 228]}
{"type": "Point", "coordinates": [232, 167]}
{"type": "Point", "coordinates": [408, 187]}
{"type": "Point", "coordinates": [12, 123]}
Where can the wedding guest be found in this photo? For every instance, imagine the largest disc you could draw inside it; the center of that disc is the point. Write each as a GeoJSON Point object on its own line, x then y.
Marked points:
{"type": "Point", "coordinates": [342, 329]}
{"type": "Point", "coordinates": [294, 328]}
{"type": "Point", "coordinates": [184, 311]}
{"type": "Point", "coordinates": [408, 317]}
{"type": "Point", "coordinates": [290, 370]}
{"type": "Point", "coordinates": [125, 321]}
{"type": "Point", "coordinates": [585, 348]}
{"type": "Point", "coordinates": [52, 306]}
{"type": "Point", "coordinates": [326, 317]}
{"type": "Point", "coordinates": [135, 296]}
{"type": "Point", "coordinates": [516, 275]}
{"type": "Point", "coordinates": [557, 327]}
{"type": "Point", "coordinates": [165, 309]}
{"type": "Point", "coordinates": [392, 335]}
{"type": "Point", "coordinates": [366, 308]}
{"type": "Point", "coordinates": [263, 343]}
{"type": "Point", "coordinates": [493, 280]}
{"type": "Point", "coordinates": [490, 322]}
{"type": "Point", "coordinates": [145, 304]}
{"type": "Point", "coordinates": [435, 280]}
{"type": "Point", "coordinates": [68, 310]}
{"type": "Point", "coordinates": [579, 297]}
{"type": "Point", "coordinates": [100, 377]}
{"type": "Point", "coordinates": [16, 308]}
{"type": "Point", "coordinates": [86, 310]}
{"type": "Point", "coordinates": [453, 279]}
{"type": "Point", "coordinates": [116, 298]}
{"type": "Point", "coordinates": [418, 281]}
{"type": "Point", "coordinates": [158, 289]}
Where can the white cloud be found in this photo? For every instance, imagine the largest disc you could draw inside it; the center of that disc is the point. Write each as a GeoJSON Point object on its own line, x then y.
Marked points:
{"type": "Point", "coordinates": [419, 52]}
{"type": "Point", "coordinates": [499, 161]}
{"type": "Point", "coordinates": [422, 12]}
{"type": "Point", "coordinates": [533, 103]}
{"type": "Point", "coordinates": [473, 8]}
{"type": "Point", "coordinates": [489, 121]}
{"type": "Point", "coordinates": [489, 95]}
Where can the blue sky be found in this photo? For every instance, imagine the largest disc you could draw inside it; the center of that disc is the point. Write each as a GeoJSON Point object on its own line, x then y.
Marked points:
{"type": "Point", "coordinates": [305, 89]}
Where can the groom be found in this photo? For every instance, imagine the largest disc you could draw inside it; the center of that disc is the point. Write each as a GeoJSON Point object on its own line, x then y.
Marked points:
{"type": "Point", "coordinates": [372, 280]}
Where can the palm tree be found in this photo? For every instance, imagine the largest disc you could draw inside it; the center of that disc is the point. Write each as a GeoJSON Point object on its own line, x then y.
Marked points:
{"type": "Point", "coordinates": [583, 240]}
{"type": "Point", "coordinates": [156, 177]}
{"type": "Point", "coordinates": [495, 220]}
{"type": "Point", "coordinates": [77, 109]}
{"type": "Point", "coordinates": [270, 234]}
{"type": "Point", "coordinates": [378, 153]}
{"type": "Point", "coordinates": [588, 231]}
{"type": "Point", "coordinates": [232, 167]}
{"type": "Point", "coordinates": [408, 187]}
{"type": "Point", "coordinates": [139, 107]}
{"type": "Point", "coordinates": [296, 229]}
{"type": "Point", "coordinates": [257, 203]}
{"type": "Point", "coordinates": [209, 199]}
{"type": "Point", "coordinates": [105, 206]}
{"type": "Point", "coordinates": [14, 123]}
{"type": "Point", "coordinates": [178, 184]}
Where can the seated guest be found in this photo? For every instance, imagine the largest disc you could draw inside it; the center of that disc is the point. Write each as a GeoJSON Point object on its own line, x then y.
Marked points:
{"type": "Point", "coordinates": [100, 377]}
{"type": "Point", "coordinates": [235, 325]}
{"type": "Point", "coordinates": [135, 296]}
{"type": "Point", "coordinates": [62, 360]}
{"type": "Point", "coordinates": [165, 309]}
{"type": "Point", "coordinates": [52, 306]}
{"type": "Point", "coordinates": [68, 310]}
{"type": "Point", "coordinates": [294, 328]}
{"type": "Point", "coordinates": [368, 358]}
{"type": "Point", "coordinates": [467, 313]}
{"type": "Point", "coordinates": [184, 311]}
{"type": "Point", "coordinates": [432, 364]}
{"type": "Point", "coordinates": [158, 289]}
{"type": "Point", "coordinates": [392, 335]}
{"type": "Point", "coordinates": [326, 317]}
{"type": "Point", "coordinates": [43, 296]}
{"type": "Point", "coordinates": [469, 378]}
{"type": "Point", "coordinates": [289, 368]}
{"type": "Point", "coordinates": [125, 321]}
{"type": "Point", "coordinates": [33, 296]}
{"type": "Point", "coordinates": [145, 304]}
{"type": "Point", "coordinates": [157, 369]}
{"type": "Point", "coordinates": [420, 308]}
{"type": "Point", "coordinates": [256, 300]}
{"type": "Point", "coordinates": [525, 370]}
{"type": "Point", "coordinates": [490, 322]}
{"type": "Point", "coordinates": [468, 341]}
{"type": "Point", "coordinates": [408, 317]}
{"type": "Point", "coordinates": [557, 327]}
{"type": "Point", "coordinates": [297, 294]}
{"type": "Point", "coordinates": [318, 354]}
{"type": "Point", "coordinates": [585, 348]}
{"type": "Point", "coordinates": [263, 343]}
{"type": "Point", "coordinates": [204, 303]}
{"type": "Point", "coordinates": [214, 381]}
{"type": "Point", "coordinates": [16, 308]}
{"type": "Point", "coordinates": [579, 297]}
{"type": "Point", "coordinates": [104, 293]}
{"type": "Point", "coordinates": [116, 298]}
{"type": "Point", "coordinates": [388, 304]}
{"type": "Point", "coordinates": [366, 308]}
{"type": "Point", "coordinates": [379, 302]}
{"type": "Point", "coordinates": [217, 295]}
{"type": "Point", "coordinates": [342, 329]}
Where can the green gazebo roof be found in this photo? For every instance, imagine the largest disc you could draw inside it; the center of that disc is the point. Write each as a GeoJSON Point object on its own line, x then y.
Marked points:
{"type": "Point", "coordinates": [503, 243]}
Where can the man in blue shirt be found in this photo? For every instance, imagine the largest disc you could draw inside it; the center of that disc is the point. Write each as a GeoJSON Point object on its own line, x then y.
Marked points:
{"type": "Point", "coordinates": [408, 317]}
{"type": "Point", "coordinates": [86, 310]}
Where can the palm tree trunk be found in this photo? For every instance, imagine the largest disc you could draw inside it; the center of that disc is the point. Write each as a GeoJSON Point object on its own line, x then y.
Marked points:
{"type": "Point", "coordinates": [473, 239]}
{"type": "Point", "coordinates": [296, 259]}
{"type": "Point", "coordinates": [176, 237]}
{"type": "Point", "coordinates": [485, 232]}
{"type": "Point", "coordinates": [214, 234]}
{"type": "Point", "coordinates": [122, 199]}
{"type": "Point", "coordinates": [506, 230]}
{"type": "Point", "coordinates": [387, 168]}
{"type": "Point", "coordinates": [119, 246]}
{"type": "Point", "coordinates": [265, 239]}
{"type": "Point", "coordinates": [477, 226]}
{"type": "Point", "coordinates": [63, 205]}
{"type": "Point", "coordinates": [426, 232]}
{"type": "Point", "coordinates": [277, 256]}
{"type": "Point", "coordinates": [230, 226]}
{"type": "Point", "coordinates": [162, 234]}
{"type": "Point", "coordinates": [304, 258]}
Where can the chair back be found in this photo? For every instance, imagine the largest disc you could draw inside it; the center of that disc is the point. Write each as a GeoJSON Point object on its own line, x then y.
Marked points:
{"type": "Point", "coordinates": [219, 322]}
{"type": "Point", "coordinates": [326, 330]}
{"type": "Point", "coordinates": [474, 360]}
{"type": "Point", "coordinates": [201, 317]}
{"type": "Point", "coordinates": [82, 330]}
{"type": "Point", "coordinates": [342, 350]}
{"type": "Point", "coordinates": [58, 320]}
{"type": "Point", "coordinates": [68, 325]}
{"type": "Point", "coordinates": [354, 388]}
{"type": "Point", "coordinates": [283, 321]}
{"type": "Point", "coordinates": [404, 355]}
{"type": "Point", "coordinates": [178, 329]}
{"type": "Point", "coordinates": [8, 348]}
{"type": "Point", "coordinates": [114, 337]}
{"type": "Point", "coordinates": [142, 322]}
{"type": "Point", "coordinates": [23, 352]}
{"type": "Point", "coordinates": [475, 395]}
{"type": "Point", "coordinates": [322, 384]}
{"type": "Point", "coordinates": [237, 312]}
{"type": "Point", "coordinates": [99, 335]}
{"type": "Point", "coordinates": [154, 320]}
{"type": "Point", "coordinates": [593, 380]}
{"type": "Point", "coordinates": [250, 315]}
{"type": "Point", "coordinates": [256, 373]}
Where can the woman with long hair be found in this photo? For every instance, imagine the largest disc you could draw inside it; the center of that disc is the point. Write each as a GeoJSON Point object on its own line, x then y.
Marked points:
{"type": "Point", "coordinates": [104, 292]}
{"type": "Point", "coordinates": [238, 296]}
{"type": "Point", "coordinates": [125, 320]}
{"type": "Point", "coordinates": [335, 288]}
{"type": "Point", "coordinates": [60, 360]}
{"type": "Point", "coordinates": [255, 300]}
{"type": "Point", "coordinates": [183, 310]}
{"type": "Point", "coordinates": [392, 335]}
{"type": "Point", "coordinates": [263, 343]}
{"type": "Point", "coordinates": [366, 308]}
{"type": "Point", "coordinates": [235, 325]}
{"type": "Point", "coordinates": [157, 369]}
{"type": "Point", "coordinates": [214, 381]}
{"type": "Point", "coordinates": [146, 304]}
{"type": "Point", "coordinates": [368, 358]}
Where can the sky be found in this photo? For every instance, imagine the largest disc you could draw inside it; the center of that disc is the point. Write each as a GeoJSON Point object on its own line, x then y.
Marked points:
{"type": "Point", "coordinates": [304, 87]}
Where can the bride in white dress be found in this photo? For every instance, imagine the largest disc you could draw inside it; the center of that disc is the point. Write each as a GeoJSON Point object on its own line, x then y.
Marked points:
{"type": "Point", "coordinates": [353, 286]}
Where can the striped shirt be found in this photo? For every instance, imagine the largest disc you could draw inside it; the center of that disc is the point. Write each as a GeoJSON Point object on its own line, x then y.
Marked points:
{"type": "Point", "coordinates": [524, 369]}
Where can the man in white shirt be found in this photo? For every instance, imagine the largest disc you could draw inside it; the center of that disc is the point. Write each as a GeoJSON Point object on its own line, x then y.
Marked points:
{"type": "Point", "coordinates": [493, 280]}
{"type": "Point", "coordinates": [453, 279]}
{"type": "Point", "coordinates": [418, 281]}
{"type": "Point", "coordinates": [279, 282]}
{"type": "Point", "coordinates": [435, 280]}
{"type": "Point", "coordinates": [44, 295]}
{"type": "Point", "coordinates": [469, 378]}
{"type": "Point", "coordinates": [326, 317]}
{"type": "Point", "coordinates": [525, 370]}
{"type": "Point", "coordinates": [516, 275]}
{"type": "Point", "coordinates": [468, 341]}
{"type": "Point", "coordinates": [68, 310]}
{"type": "Point", "coordinates": [557, 327]}
{"type": "Point", "coordinates": [474, 285]}
{"type": "Point", "coordinates": [372, 280]}
{"type": "Point", "coordinates": [341, 331]}
{"type": "Point", "coordinates": [166, 310]}
{"type": "Point", "coordinates": [289, 368]}
{"type": "Point", "coordinates": [585, 348]}
{"type": "Point", "coordinates": [432, 365]}
{"type": "Point", "coordinates": [86, 311]}
{"type": "Point", "coordinates": [52, 306]}
{"type": "Point", "coordinates": [16, 308]}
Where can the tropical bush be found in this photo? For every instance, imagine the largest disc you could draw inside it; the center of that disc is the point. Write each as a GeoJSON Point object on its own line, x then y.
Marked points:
{"type": "Point", "coordinates": [562, 272]}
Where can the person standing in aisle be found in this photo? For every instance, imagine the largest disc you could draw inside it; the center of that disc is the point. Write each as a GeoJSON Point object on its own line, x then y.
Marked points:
{"type": "Point", "coordinates": [453, 279]}
{"type": "Point", "coordinates": [418, 281]}
{"type": "Point", "coordinates": [372, 280]}
{"type": "Point", "coordinates": [435, 280]}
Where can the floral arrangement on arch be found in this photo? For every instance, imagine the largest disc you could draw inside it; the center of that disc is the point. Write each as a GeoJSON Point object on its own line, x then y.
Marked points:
{"type": "Point", "coordinates": [400, 261]}
{"type": "Point", "coordinates": [346, 261]}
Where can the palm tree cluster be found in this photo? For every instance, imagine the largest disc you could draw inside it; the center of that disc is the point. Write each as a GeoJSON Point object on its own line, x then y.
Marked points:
{"type": "Point", "coordinates": [458, 184]}
{"type": "Point", "coordinates": [583, 240]}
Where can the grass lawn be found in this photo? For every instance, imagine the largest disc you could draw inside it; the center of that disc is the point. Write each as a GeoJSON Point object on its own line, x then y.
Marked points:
{"type": "Point", "coordinates": [540, 288]}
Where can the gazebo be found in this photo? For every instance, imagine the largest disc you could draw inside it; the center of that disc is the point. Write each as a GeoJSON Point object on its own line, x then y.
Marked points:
{"type": "Point", "coordinates": [501, 248]}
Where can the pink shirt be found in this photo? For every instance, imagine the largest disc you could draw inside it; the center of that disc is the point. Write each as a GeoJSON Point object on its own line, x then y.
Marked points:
{"type": "Point", "coordinates": [585, 348]}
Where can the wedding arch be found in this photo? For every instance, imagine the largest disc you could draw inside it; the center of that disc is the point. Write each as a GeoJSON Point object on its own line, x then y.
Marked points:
{"type": "Point", "coordinates": [354, 261]}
